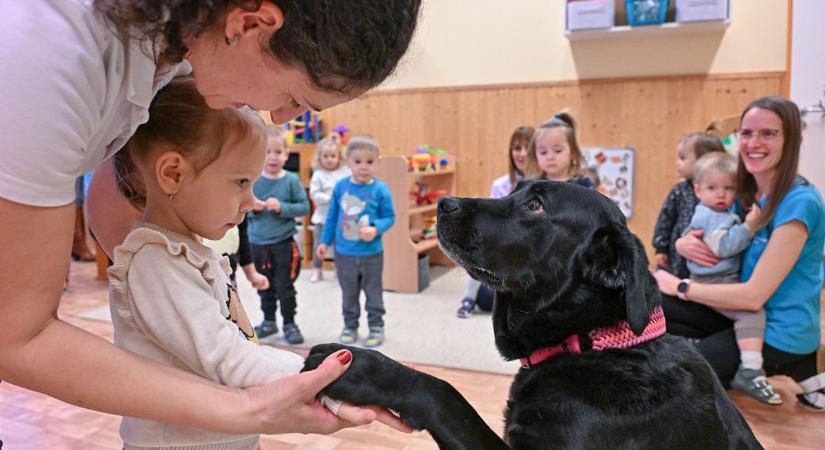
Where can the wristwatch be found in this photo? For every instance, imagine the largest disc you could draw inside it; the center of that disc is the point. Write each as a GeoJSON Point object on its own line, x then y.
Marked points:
{"type": "Point", "coordinates": [682, 288]}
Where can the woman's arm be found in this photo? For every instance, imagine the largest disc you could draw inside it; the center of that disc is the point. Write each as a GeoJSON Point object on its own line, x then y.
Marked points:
{"type": "Point", "coordinates": [39, 351]}
{"type": "Point", "coordinates": [779, 257]}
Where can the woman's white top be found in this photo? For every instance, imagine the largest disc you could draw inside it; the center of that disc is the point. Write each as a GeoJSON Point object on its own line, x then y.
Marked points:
{"type": "Point", "coordinates": [71, 93]}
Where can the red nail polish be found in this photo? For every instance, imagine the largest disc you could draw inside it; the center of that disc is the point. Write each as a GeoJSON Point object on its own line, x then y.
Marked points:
{"type": "Point", "coordinates": [344, 357]}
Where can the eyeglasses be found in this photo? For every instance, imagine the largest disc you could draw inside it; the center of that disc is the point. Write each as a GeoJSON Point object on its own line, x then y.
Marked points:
{"type": "Point", "coordinates": [764, 135]}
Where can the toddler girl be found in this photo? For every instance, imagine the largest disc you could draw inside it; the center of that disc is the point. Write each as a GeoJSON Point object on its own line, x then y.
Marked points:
{"type": "Point", "coordinates": [328, 168]}
{"type": "Point", "coordinates": [502, 186]}
{"type": "Point", "coordinates": [678, 208]}
{"type": "Point", "coordinates": [554, 152]}
{"type": "Point", "coordinates": [190, 169]}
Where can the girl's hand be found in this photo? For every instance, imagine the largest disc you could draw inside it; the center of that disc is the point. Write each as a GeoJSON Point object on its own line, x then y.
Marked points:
{"type": "Point", "coordinates": [321, 251]}
{"type": "Point", "coordinates": [693, 248]}
{"type": "Point", "coordinates": [367, 233]}
{"type": "Point", "coordinates": [289, 405]}
{"type": "Point", "coordinates": [662, 260]}
{"type": "Point", "coordinates": [667, 282]}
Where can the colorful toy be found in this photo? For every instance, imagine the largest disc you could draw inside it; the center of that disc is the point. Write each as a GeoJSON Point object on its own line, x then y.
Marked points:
{"type": "Point", "coordinates": [341, 131]}
{"type": "Point", "coordinates": [423, 195]}
{"type": "Point", "coordinates": [304, 128]}
{"type": "Point", "coordinates": [428, 159]}
{"type": "Point", "coordinates": [428, 229]}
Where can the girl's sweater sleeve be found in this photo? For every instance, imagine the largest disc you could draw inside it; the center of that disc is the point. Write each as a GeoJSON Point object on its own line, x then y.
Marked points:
{"type": "Point", "coordinates": [318, 190]}
{"type": "Point", "coordinates": [298, 205]}
{"type": "Point", "coordinates": [386, 211]}
{"type": "Point", "coordinates": [175, 307]}
{"type": "Point", "coordinates": [665, 223]}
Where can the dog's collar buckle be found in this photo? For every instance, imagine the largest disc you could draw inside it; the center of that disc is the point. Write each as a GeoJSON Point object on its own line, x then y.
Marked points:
{"type": "Point", "coordinates": [617, 336]}
{"type": "Point", "coordinates": [570, 345]}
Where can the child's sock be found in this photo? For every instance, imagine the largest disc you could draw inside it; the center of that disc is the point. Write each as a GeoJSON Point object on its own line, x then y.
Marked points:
{"type": "Point", "coordinates": [751, 360]}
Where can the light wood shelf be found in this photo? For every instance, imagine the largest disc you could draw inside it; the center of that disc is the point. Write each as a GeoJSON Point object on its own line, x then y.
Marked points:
{"type": "Point", "coordinates": [402, 243]}
{"type": "Point", "coordinates": [665, 29]}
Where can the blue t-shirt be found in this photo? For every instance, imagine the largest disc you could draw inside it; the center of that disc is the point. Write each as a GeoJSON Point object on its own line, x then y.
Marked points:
{"type": "Point", "coordinates": [793, 311]}
{"type": "Point", "coordinates": [352, 206]}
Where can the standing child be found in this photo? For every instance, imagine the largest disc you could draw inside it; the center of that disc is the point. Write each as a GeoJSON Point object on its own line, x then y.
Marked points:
{"type": "Point", "coordinates": [680, 203]}
{"type": "Point", "coordinates": [360, 212]}
{"type": "Point", "coordinates": [190, 169]}
{"type": "Point", "coordinates": [502, 186]}
{"type": "Point", "coordinates": [328, 169]}
{"type": "Point", "coordinates": [271, 229]}
{"type": "Point", "coordinates": [725, 235]}
{"type": "Point", "coordinates": [554, 152]}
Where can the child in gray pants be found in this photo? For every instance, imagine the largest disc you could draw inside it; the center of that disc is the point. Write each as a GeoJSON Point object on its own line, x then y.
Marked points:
{"type": "Point", "coordinates": [715, 186]}
{"type": "Point", "coordinates": [360, 212]}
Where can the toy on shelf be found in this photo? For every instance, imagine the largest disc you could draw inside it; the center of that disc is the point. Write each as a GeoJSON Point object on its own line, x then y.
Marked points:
{"type": "Point", "coordinates": [423, 195]}
{"type": "Point", "coordinates": [339, 133]}
{"type": "Point", "coordinates": [428, 159]}
{"type": "Point", "coordinates": [305, 128]}
{"type": "Point", "coordinates": [428, 228]}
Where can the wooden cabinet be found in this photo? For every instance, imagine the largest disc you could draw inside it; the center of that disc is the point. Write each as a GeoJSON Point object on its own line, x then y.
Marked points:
{"type": "Point", "coordinates": [404, 243]}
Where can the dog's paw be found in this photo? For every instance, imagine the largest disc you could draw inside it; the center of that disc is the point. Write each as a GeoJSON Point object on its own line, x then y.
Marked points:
{"type": "Point", "coordinates": [373, 379]}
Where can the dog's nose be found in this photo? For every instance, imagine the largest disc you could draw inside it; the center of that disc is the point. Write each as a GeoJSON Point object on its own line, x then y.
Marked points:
{"type": "Point", "coordinates": [447, 205]}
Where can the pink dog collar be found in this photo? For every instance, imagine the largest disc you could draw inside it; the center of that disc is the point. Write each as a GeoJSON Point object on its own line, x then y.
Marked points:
{"type": "Point", "coordinates": [616, 336]}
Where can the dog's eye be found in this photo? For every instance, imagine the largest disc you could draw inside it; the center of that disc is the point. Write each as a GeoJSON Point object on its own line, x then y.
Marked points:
{"type": "Point", "coordinates": [534, 206]}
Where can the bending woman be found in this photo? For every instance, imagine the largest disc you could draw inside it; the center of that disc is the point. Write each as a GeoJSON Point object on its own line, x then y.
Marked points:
{"type": "Point", "coordinates": [782, 269]}
{"type": "Point", "coordinates": [76, 79]}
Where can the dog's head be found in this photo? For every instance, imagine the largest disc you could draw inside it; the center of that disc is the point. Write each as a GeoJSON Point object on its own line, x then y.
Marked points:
{"type": "Point", "coordinates": [560, 258]}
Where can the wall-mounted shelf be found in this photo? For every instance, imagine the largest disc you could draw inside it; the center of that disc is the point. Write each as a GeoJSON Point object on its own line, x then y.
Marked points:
{"type": "Point", "coordinates": [666, 29]}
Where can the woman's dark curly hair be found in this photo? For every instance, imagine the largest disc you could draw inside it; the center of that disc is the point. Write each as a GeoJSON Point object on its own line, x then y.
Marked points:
{"type": "Point", "coordinates": [341, 44]}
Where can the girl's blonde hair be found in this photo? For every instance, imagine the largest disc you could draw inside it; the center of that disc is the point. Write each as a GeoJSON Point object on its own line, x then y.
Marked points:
{"type": "Point", "coordinates": [323, 144]}
{"type": "Point", "coordinates": [524, 134]}
{"type": "Point", "coordinates": [362, 142]}
{"type": "Point", "coordinates": [180, 118]}
{"type": "Point", "coordinates": [565, 121]}
{"type": "Point", "coordinates": [274, 131]}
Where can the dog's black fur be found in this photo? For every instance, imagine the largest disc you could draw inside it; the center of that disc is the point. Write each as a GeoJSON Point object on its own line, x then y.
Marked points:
{"type": "Point", "coordinates": [562, 262]}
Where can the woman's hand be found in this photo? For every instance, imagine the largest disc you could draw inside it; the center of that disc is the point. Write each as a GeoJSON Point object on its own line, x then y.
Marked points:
{"type": "Point", "coordinates": [693, 248]}
{"type": "Point", "coordinates": [289, 405]}
{"type": "Point", "coordinates": [667, 282]}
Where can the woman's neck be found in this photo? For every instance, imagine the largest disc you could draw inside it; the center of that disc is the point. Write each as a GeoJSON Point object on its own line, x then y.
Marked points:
{"type": "Point", "coordinates": [764, 184]}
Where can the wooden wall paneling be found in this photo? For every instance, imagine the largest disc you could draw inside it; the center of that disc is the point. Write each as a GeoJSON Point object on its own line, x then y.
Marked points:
{"type": "Point", "coordinates": [474, 123]}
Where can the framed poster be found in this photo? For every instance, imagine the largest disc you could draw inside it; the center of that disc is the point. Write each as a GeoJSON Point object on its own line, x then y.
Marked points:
{"type": "Point", "coordinates": [614, 168]}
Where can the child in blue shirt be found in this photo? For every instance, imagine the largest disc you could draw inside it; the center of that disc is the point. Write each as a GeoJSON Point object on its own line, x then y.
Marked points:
{"type": "Point", "coordinates": [360, 212]}
{"type": "Point", "coordinates": [715, 187]}
{"type": "Point", "coordinates": [280, 199]}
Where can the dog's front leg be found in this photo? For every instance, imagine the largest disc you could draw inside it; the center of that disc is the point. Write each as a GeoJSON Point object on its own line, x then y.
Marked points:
{"type": "Point", "coordinates": [422, 401]}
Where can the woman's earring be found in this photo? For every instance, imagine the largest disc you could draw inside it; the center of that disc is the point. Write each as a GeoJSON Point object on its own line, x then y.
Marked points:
{"type": "Point", "coordinates": [171, 196]}
{"type": "Point", "coordinates": [233, 41]}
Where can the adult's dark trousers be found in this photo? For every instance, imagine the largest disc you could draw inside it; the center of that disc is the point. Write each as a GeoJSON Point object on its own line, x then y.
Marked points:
{"type": "Point", "coordinates": [357, 273]}
{"type": "Point", "coordinates": [281, 264]}
{"type": "Point", "coordinates": [717, 342]}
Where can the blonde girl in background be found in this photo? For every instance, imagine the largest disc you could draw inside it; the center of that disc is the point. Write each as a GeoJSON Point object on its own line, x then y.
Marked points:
{"type": "Point", "coordinates": [502, 186]}
{"type": "Point", "coordinates": [327, 169]}
{"type": "Point", "coordinates": [680, 203]}
{"type": "Point", "coordinates": [190, 169]}
{"type": "Point", "coordinates": [554, 152]}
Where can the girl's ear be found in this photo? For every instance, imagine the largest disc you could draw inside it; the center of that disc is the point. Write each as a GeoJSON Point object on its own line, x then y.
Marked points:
{"type": "Point", "coordinates": [170, 169]}
{"type": "Point", "coordinates": [240, 23]}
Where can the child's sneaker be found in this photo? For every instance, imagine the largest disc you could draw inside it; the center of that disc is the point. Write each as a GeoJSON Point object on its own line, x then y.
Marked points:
{"type": "Point", "coordinates": [348, 336]}
{"type": "Point", "coordinates": [754, 383]}
{"type": "Point", "coordinates": [466, 308]}
{"type": "Point", "coordinates": [316, 276]}
{"type": "Point", "coordinates": [266, 328]}
{"type": "Point", "coordinates": [292, 335]}
{"type": "Point", "coordinates": [375, 338]}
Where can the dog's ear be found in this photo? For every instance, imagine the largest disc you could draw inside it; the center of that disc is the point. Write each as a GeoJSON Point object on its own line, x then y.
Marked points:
{"type": "Point", "coordinates": [616, 259]}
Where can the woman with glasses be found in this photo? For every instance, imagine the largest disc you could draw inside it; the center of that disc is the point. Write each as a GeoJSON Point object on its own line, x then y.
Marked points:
{"type": "Point", "coordinates": [782, 269]}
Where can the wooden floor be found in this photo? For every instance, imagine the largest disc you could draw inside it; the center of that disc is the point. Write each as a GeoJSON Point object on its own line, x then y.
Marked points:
{"type": "Point", "coordinates": [32, 421]}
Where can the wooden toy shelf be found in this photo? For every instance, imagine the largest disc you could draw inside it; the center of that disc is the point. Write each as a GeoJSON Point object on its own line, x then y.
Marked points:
{"type": "Point", "coordinates": [403, 243]}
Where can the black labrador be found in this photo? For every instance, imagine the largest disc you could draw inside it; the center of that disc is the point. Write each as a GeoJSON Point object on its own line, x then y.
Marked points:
{"type": "Point", "coordinates": [576, 303]}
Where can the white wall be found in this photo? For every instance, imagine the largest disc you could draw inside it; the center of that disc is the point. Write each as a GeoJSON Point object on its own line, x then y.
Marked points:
{"type": "Point", "coordinates": [478, 42]}
{"type": "Point", "coordinates": [808, 83]}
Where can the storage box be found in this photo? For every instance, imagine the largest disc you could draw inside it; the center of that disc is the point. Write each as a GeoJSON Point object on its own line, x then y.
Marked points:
{"type": "Point", "coordinates": [423, 272]}
{"type": "Point", "coordinates": [590, 14]}
{"type": "Point", "coordinates": [699, 10]}
{"type": "Point", "coordinates": [645, 12]}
